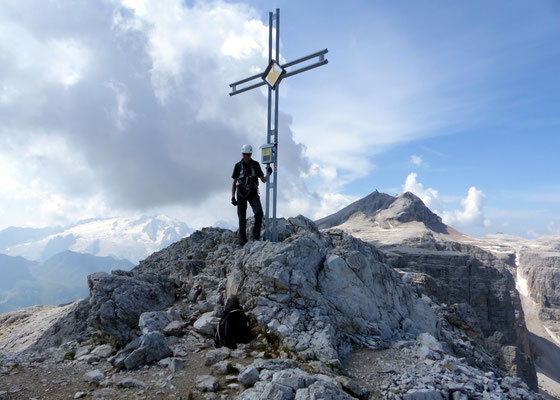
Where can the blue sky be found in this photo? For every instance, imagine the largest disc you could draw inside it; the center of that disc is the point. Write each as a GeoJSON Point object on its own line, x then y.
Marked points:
{"type": "Point", "coordinates": [121, 107]}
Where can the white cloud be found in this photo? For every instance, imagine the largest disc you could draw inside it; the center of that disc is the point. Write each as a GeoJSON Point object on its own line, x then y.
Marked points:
{"type": "Point", "coordinates": [470, 215]}
{"type": "Point", "coordinates": [429, 196]}
{"type": "Point", "coordinates": [128, 112]}
{"type": "Point", "coordinates": [416, 160]}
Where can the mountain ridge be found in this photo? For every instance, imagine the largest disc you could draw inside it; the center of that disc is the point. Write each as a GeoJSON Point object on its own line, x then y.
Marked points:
{"type": "Point", "coordinates": [132, 238]}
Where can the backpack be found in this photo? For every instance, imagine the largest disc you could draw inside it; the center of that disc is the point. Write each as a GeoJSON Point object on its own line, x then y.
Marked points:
{"type": "Point", "coordinates": [233, 329]}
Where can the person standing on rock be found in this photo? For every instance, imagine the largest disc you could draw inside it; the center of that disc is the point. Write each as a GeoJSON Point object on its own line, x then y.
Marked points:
{"type": "Point", "coordinates": [246, 175]}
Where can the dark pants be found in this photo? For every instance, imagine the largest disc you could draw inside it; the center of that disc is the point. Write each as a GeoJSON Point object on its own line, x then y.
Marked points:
{"type": "Point", "coordinates": [255, 202]}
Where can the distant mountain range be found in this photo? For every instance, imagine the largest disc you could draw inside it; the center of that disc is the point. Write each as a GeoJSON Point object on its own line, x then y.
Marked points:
{"type": "Point", "coordinates": [129, 238]}
{"type": "Point", "coordinates": [60, 279]}
{"type": "Point", "coordinates": [49, 266]}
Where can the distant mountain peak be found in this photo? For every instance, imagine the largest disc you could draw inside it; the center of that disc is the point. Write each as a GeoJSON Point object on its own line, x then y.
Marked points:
{"type": "Point", "coordinates": [407, 207]}
{"type": "Point", "coordinates": [386, 210]}
{"type": "Point", "coordinates": [368, 205]}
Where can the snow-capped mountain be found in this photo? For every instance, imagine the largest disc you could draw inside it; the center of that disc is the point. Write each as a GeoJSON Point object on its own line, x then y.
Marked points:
{"type": "Point", "coordinates": [129, 238]}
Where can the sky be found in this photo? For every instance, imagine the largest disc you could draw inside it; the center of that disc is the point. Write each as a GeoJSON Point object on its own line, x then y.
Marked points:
{"type": "Point", "coordinates": [121, 107]}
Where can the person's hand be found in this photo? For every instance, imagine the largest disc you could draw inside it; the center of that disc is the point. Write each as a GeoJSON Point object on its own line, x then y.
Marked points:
{"type": "Point", "coordinates": [233, 201]}
{"type": "Point", "coordinates": [269, 170]}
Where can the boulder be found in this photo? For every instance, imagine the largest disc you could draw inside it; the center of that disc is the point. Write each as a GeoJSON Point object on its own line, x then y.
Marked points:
{"type": "Point", "coordinates": [207, 323]}
{"type": "Point", "coordinates": [174, 328]}
{"type": "Point", "coordinates": [95, 376]}
{"type": "Point", "coordinates": [207, 383]}
{"type": "Point", "coordinates": [152, 321]}
{"type": "Point", "coordinates": [103, 351]}
{"type": "Point", "coordinates": [249, 376]}
{"type": "Point", "coordinates": [214, 356]}
{"type": "Point", "coordinates": [118, 301]}
{"type": "Point", "coordinates": [129, 382]}
{"type": "Point", "coordinates": [322, 390]}
{"type": "Point", "coordinates": [146, 349]}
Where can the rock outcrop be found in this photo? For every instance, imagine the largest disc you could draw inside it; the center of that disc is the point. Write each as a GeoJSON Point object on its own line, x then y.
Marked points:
{"type": "Point", "coordinates": [478, 287]}
{"type": "Point", "coordinates": [540, 266]}
{"type": "Point", "coordinates": [313, 299]}
{"type": "Point", "coordinates": [315, 292]}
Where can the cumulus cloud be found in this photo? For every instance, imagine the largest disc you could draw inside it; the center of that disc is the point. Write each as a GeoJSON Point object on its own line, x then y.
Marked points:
{"type": "Point", "coordinates": [125, 105]}
{"type": "Point", "coordinates": [471, 214]}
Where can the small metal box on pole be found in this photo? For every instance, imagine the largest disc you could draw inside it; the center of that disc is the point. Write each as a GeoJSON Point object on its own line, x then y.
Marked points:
{"type": "Point", "coordinates": [267, 153]}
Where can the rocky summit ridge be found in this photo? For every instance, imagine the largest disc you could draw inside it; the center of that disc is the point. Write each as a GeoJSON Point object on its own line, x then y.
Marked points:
{"type": "Point", "coordinates": [333, 317]}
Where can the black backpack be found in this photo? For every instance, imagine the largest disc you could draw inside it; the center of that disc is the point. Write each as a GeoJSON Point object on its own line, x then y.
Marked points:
{"type": "Point", "coordinates": [233, 328]}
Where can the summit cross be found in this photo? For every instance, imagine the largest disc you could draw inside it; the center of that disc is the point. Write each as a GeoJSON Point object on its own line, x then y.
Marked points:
{"type": "Point", "coordinates": [272, 76]}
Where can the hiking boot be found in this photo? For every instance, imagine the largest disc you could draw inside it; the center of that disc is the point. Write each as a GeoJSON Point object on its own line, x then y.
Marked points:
{"type": "Point", "coordinates": [242, 242]}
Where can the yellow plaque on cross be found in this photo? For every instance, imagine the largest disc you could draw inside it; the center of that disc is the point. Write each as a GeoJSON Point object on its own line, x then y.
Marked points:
{"type": "Point", "coordinates": [272, 74]}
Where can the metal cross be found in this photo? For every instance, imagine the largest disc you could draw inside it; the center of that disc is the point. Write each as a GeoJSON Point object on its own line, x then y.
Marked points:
{"type": "Point", "coordinates": [272, 76]}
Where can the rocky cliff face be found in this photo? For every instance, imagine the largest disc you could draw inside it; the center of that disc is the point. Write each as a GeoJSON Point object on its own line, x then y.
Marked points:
{"type": "Point", "coordinates": [478, 287]}
{"type": "Point", "coordinates": [539, 264]}
{"type": "Point", "coordinates": [480, 292]}
{"type": "Point", "coordinates": [316, 300]}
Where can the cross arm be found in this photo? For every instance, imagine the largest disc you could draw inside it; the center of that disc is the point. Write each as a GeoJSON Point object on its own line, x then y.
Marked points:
{"type": "Point", "coordinates": [319, 54]}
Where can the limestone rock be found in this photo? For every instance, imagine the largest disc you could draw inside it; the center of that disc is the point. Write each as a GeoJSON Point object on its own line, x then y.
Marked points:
{"type": "Point", "coordinates": [118, 301]}
{"type": "Point", "coordinates": [143, 350]}
{"type": "Point", "coordinates": [95, 376]}
{"type": "Point", "coordinates": [207, 383]}
{"type": "Point", "coordinates": [206, 324]}
{"type": "Point", "coordinates": [322, 390]}
{"type": "Point", "coordinates": [152, 321]}
{"type": "Point", "coordinates": [214, 356]}
{"type": "Point", "coordinates": [175, 364]}
{"type": "Point", "coordinates": [249, 376]}
{"type": "Point", "coordinates": [423, 394]}
{"type": "Point", "coordinates": [131, 383]}
{"type": "Point", "coordinates": [103, 351]}
{"type": "Point", "coordinates": [174, 328]}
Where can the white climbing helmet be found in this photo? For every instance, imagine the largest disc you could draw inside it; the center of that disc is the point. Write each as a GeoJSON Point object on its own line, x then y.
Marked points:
{"type": "Point", "coordinates": [247, 149]}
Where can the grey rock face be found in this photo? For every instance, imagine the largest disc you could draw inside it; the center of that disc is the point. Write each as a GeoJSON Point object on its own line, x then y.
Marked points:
{"type": "Point", "coordinates": [118, 301]}
{"type": "Point", "coordinates": [541, 268]}
{"type": "Point", "coordinates": [292, 287]}
{"type": "Point", "coordinates": [71, 327]}
{"type": "Point", "coordinates": [480, 291]}
{"type": "Point", "coordinates": [477, 286]}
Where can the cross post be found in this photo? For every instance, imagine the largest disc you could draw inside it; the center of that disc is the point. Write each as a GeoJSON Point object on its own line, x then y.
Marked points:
{"type": "Point", "coordinates": [272, 76]}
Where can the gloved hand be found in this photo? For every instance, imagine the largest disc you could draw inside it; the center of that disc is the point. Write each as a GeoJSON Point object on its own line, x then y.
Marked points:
{"type": "Point", "coordinates": [269, 170]}
{"type": "Point", "coordinates": [233, 201]}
